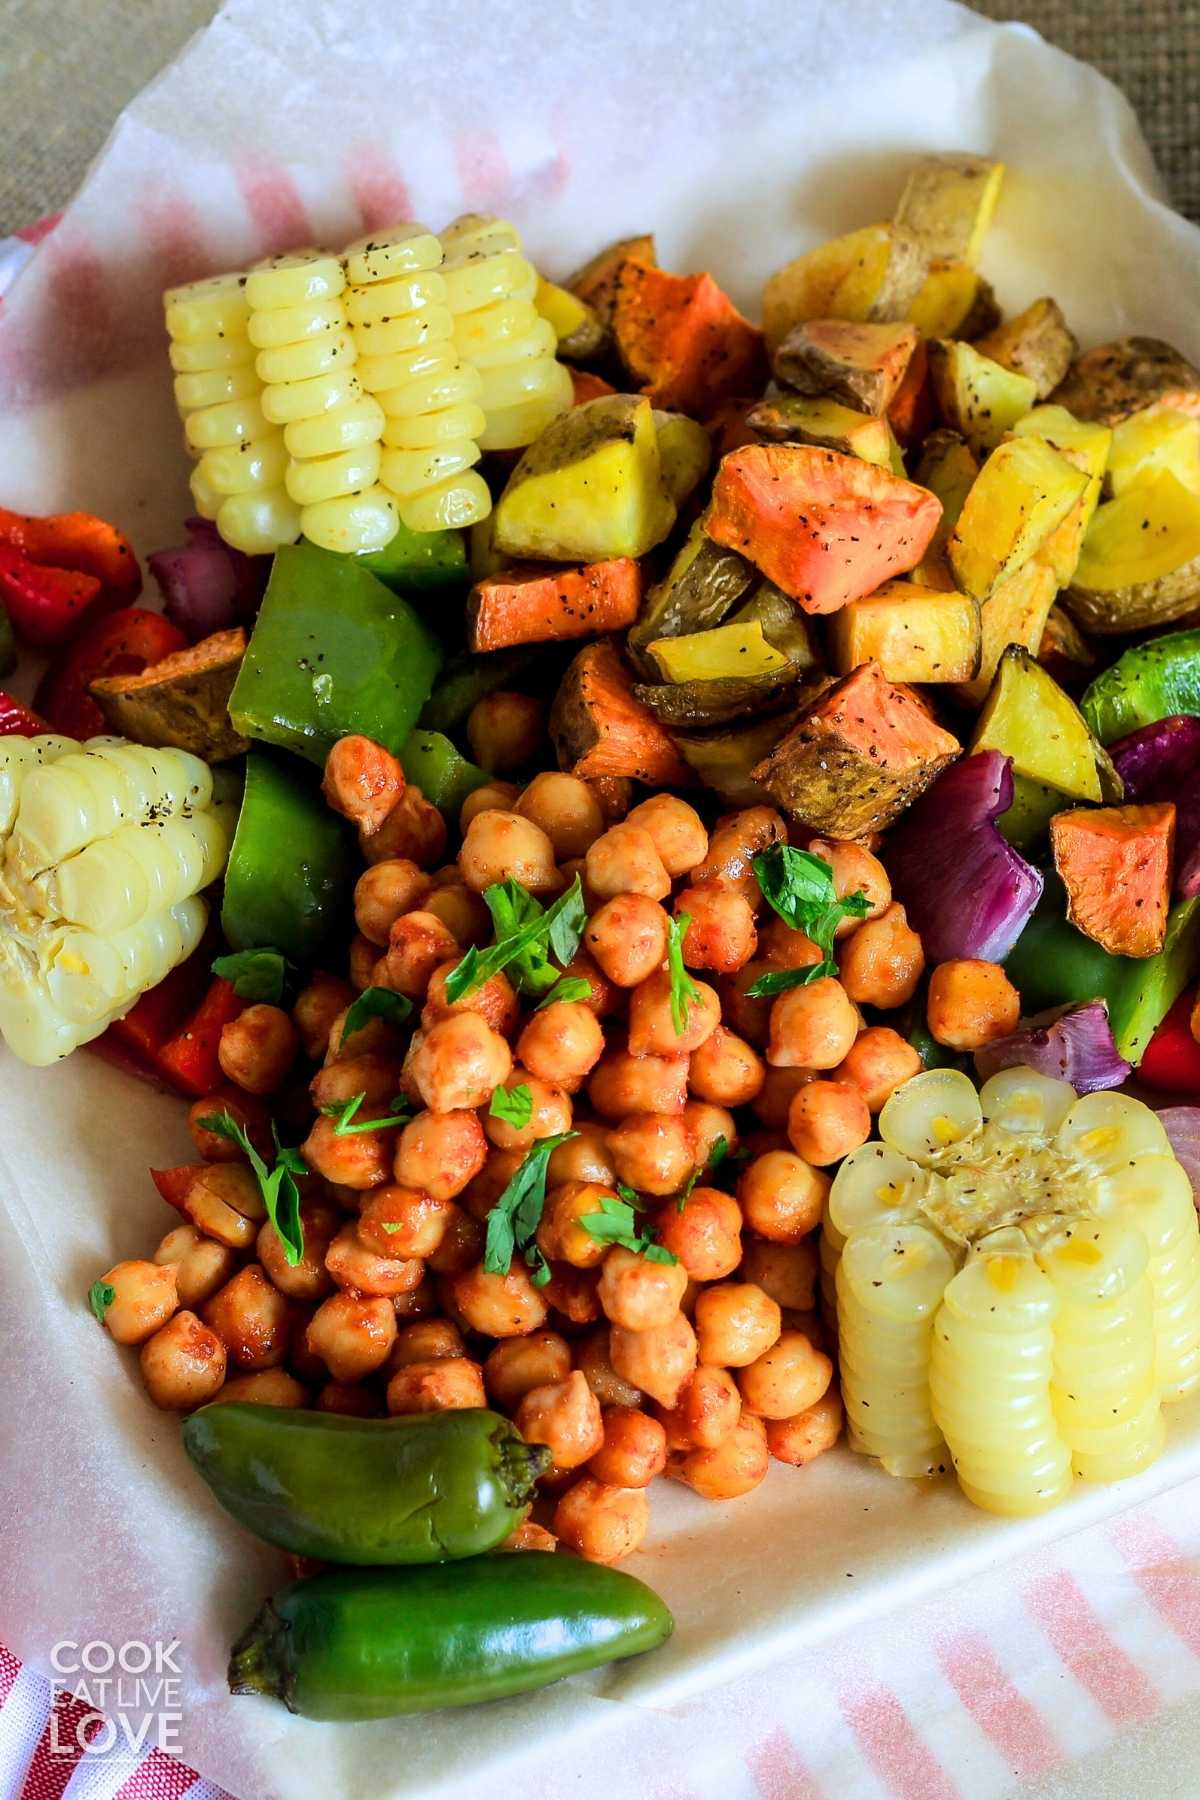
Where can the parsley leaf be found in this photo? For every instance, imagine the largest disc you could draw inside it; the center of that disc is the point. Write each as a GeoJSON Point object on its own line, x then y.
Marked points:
{"type": "Point", "coordinates": [343, 1111]}
{"type": "Point", "coordinates": [799, 887]}
{"type": "Point", "coordinates": [375, 1003]}
{"type": "Point", "coordinates": [716, 1157]}
{"type": "Point", "coordinates": [513, 1221]}
{"type": "Point", "coordinates": [523, 932]}
{"type": "Point", "coordinates": [281, 1196]}
{"type": "Point", "coordinates": [513, 1105]}
{"type": "Point", "coordinates": [617, 1223]}
{"type": "Point", "coordinates": [101, 1295]}
{"type": "Point", "coordinates": [683, 988]}
{"type": "Point", "coordinates": [571, 987]}
{"type": "Point", "coordinates": [257, 975]}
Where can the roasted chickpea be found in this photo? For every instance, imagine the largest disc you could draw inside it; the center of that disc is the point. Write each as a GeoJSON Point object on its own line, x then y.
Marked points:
{"type": "Point", "coordinates": [518, 1365]}
{"type": "Point", "coordinates": [266, 1387]}
{"type": "Point", "coordinates": [560, 1236]}
{"type": "Point", "coordinates": [582, 1158]}
{"type": "Point", "coordinates": [358, 1159]}
{"type": "Point", "coordinates": [779, 1089]}
{"type": "Point", "coordinates": [363, 962]}
{"type": "Point", "coordinates": [827, 1120]}
{"type": "Point", "coordinates": [417, 943]}
{"type": "Point", "coordinates": [347, 1398]}
{"type": "Point", "coordinates": [658, 1361]}
{"type": "Point", "coordinates": [494, 1000]}
{"type": "Point", "coordinates": [317, 1006]}
{"type": "Point", "coordinates": [224, 1202]}
{"type": "Point", "coordinates": [183, 1364]}
{"type": "Point", "coordinates": [550, 1115]}
{"type": "Point", "coordinates": [505, 730]}
{"type": "Point", "coordinates": [460, 1061]}
{"type": "Point", "coordinates": [572, 1294]}
{"type": "Point", "coordinates": [625, 860]}
{"type": "Point", "coordinates": [808, 1434]}
{"type": "Point", "coordinates": [462, 912]}
{"type": "Point", "coordinates": [726, 1070]}
{"type": "Point", "coordinates": [781, 1196]}
{"type": "Point", "coordinates": [502, 844]}
{"type": "Point", "coordinates": [257, 1049]}
{"type": "Point", "coordinates": [747, 1014]}
{"type": "Point", "coordinates": [652, 1152]}
{"type": "Point", "coordinates": [622, 1084]}
{"type": "Point", "coordinates": [445, 1385]}
{"type": "Point", "coordinates": [362, 781]}
{"type": "Point", "coordinates": [499, 1306]}
{"type": "Point", "coordinates": [565, 1415]}
{"type": "Point", "coordinates": [971, 1003]}
{"type": "Point", "coordinates": [424, 1341]}
{"type": "Point", "coordinates": [877, 1063]}
{"type": "Point", "coordinates": [384, 892]}
{"type": "Point", "coordinates": [786, 1379]}
{"type": "Point", "coordinates": [567, 811]}
{"type": "Point", "coordinates": [561, 1044]}
{"type": "Point", "coordinates": [677, 830]}
{"type": "Point", "coordinates": [251, 1318]}
{"type": "Point", "coordinates": [591, 1357]}
{"type": "Point", "coordinates": [637, 1293]}
{"type": "Point", "coordinates": [373, 1076]}
{"type": "Point", "coordinates": [419, 1303]}
{"type": "Point", "coordinates": [251, 1115]}
{"type": "Point", "coordinates": [352, 1334]}
{"type": "Point", "coordinates": [705, 1233]}
{"type": "Point", "coordinates": [493, 796]}
{"type": "Point", "coordinates": [882, 962]}
{"type": "Point", "coordinates": [461, 1245]}
{"type": "Point", "coordinates": [364, 1271]}
{"type": "Point", "coordinates": [403, 1222]}
{"type": "Point", "coordinates": [812, 1027]}
{"type": "Point", "coordinates": [784, 947]}
{"type": "Point", "coordinates": [144, 1298]}
{"type": "Point", "coordinates": [201, 1264]}
{"type": "Point", "coordinates": [653, 1030]}
{"type": "Point", "coordinates": [721, 932]}
{"type": "Point", "coordinates": [634, 1450]}
{"type": "Point", "coordinates": [735, 1322]}
{"type": "Point", "coordinates": [627, 938]}
{"type": "Point", "coordinates": [307, 1279]}
{"type": "Point", "coordinates": [855, 871]}
{"type": "Point", "coordinates": [733, 845]}
{"type": "Point", "coordinates": [440, 1153]}
{"type": "Point", "coordinates": [601, 1523]}
{"type": "Point", "coordinates": [734, 1468]}
{"type": "Point", "coordinates": [707, 1410]}
{"type": "Point", "coordinates": [414, 829]}
{"type": "Point", "coordinates": [481, 1195]}
{"type": "Point", "coordinates": [709, 1125]}
{"type": "Point", "coordinates": [787, 1272]}
{"type": "Point", "coordinates": [604, 998]}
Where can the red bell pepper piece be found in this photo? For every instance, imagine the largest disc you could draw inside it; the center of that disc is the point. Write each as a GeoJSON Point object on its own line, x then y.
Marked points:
{"type": "Point", "coordinates": [163, 1010]}
{"type": "Point", "coordinates": [188, 1060]}
{"type": "Point", "coordinates": [78, 541]}
{"type": "Point", "coordinates": [17, 720]}
{"type": "Point", "coordinates": [46, 605]}
{"type": "Point", "coordinates": [123, 643]}
{"type": "Point", "coordinates": [174, 1184]}
{"type": "Point", "coordinates": [1171, 1062]}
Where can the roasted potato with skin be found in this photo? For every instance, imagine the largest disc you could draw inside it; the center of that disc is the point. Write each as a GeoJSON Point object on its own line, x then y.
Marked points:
{"type": "Point", "coordinates": [1087, 445]}
{"type": "Point", "coordinates": [596, 282]}
{"type": "Point", "coordinates": [948, 468]}
{"type": "Point", "coordinates": [913, 633]}
{"type": "Point", "coordinates": [948, 202]}
{"type": "Point", "coordinates": [861, 365]}
{"type": "Point", "coordinates": [581, 335]}
{"type": "Point", "coordinates": [954, 302]}
{"type": "Point", "coordinates": [803, 419]}
{"type": "Point", "coordinates": [684, 453]}
{"type": "Point", "coordinates": [1114, 380]}
{"type": "Point", "coordinates": [977, 397]}
{"type": "Point", "coordinates": [723, 759]}
{"type": "Point", "coordinates": [702, 585]}
{"type": "Point", "coordinates": [1146, 443]}
{"type": "Point", "coordinates": [1037, 342]}
{"type": "Point", "coordinates": [1140, 562]}
{"type": "Point", "coordinates": [872, 274]}
{"type": "Point", "coordinates": [1015, 612]}
{"type": "Point", "coordinates": [1023, 492]}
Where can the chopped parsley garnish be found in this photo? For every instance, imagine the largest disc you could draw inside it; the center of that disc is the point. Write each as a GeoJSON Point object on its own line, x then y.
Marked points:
{"type": "Point", "coordinates": [375, 1003]}
{"type": "Point", "coordinates": [281, 1196]}
{"type": "Point", "coordinates": [683, 989]}
{"type": "Point", "coordinates": [571, 987]}
{"type": "Point", "coordinates": [799, 887]}
{"type": "Point", "coordinates": [513, 1221]}
{"type": "Point", "coordinates": [617, 1223]}
{"type": "Point", "coordinates": [345, 1123]}
{"type": "Point", "coordinates": [526, 933]}
{"type": "Point", "coordinates": [259, 976]}
{"type": "Point", "coordinates": [716, 1157]}
{"type": "Point", "coordinates": [513, 1105]}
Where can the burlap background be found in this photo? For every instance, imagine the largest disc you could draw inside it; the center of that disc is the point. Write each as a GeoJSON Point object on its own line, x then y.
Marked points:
{"type": "Point", "coordinates": [68, 66]}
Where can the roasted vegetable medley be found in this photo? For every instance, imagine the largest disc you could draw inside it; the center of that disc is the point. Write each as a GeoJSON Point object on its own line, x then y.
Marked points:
{"type": "Point", "coordinates": [700, 819]}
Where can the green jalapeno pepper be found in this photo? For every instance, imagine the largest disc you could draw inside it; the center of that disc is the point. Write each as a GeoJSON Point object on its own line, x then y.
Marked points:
{"type": "Point", "coordinates": [372, 1643]}
{"type": "Point", "coordinates": [406, 1490]}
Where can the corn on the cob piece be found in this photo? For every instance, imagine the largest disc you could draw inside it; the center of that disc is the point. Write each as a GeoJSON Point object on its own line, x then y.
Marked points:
{"type": "Point", "coordinates": [331, 428]}
{"type": "Point", "coordinates": [490, 289]}
{"type": "Point", "coordinates": [404, 332]}
{"type": "Point", "coordinates": [1076, 1309]}
{"type": "Point", "coordinates": [238, 481]}
{"type": "Point", "coordinates": [105, 846]}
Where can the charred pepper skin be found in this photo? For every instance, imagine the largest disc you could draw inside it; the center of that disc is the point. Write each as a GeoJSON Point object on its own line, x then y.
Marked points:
{"type": "Point", "coordinates": [420, 1489]}
{"type": "Point", "coordinates": [354, 1644]}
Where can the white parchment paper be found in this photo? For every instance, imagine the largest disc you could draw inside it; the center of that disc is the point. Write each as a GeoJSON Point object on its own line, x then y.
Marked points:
{"type": "Point", "coordinates": [742, 133]}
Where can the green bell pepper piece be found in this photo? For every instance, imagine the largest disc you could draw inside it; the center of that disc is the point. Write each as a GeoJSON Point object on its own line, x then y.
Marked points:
{"type": "Point", "coordinates": [420, 562]}
{"type": "Point", "coordinates": [333, 651]}
{"type": "Point", "coordinates": [290, 871]}
{"type": "Point", "coordinates": [1053, 964]}
{"type": "Point", "coordinates": [467, 679]}
{"type": "Point", "coordinates": [1027, 820]}
{"type": "Point", "coordinates": [1150, 682]}
{"type": "Point", "coordinates": [443, 776]}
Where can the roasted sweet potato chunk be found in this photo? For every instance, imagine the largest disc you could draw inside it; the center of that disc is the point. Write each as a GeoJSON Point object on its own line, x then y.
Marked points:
{"type": "Point", "coordinates": [596, 282]}
{"type": "Point", "coordinates": [861, 365]}
{"type": "Point", "coordinates": [531, 604]}
{"type": "Point", "coordinates": [599, 728]}
{"type": "Point", "coordinates": [825, 528]}
{"type": "Point", "coordinates": [857, 757]}
{"type": "Point", "coordinates": [182, 700]}
{"type": "Point", "coordinates": [683, 339]}
{"type": "Point", "coordinates": [1115, 863]}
